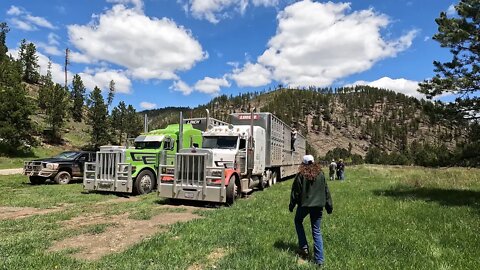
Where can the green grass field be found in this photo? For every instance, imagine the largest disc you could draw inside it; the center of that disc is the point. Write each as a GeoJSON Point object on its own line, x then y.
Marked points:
{"type": "Point", "coordinates": [384, 218]}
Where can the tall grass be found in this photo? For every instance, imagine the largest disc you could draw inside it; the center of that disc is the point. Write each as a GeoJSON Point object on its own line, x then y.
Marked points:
{"type": "Point", "coordinates": [384, 218]}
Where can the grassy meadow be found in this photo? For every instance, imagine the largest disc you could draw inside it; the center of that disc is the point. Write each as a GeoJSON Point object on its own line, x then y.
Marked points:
{"type": "Point", "coordinates": [384, 218]}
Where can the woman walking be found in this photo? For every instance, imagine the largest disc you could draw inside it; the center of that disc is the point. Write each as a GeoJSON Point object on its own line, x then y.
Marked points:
{"type": "Point", "coordinates": [310, 193]}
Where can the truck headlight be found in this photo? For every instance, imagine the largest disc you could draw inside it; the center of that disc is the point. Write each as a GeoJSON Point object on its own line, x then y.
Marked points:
{"type": "Point", "coordinates": [52, 166]}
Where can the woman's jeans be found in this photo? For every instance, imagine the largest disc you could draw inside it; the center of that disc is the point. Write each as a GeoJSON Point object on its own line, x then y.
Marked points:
{"type": "Point", "coordinates": [315, 220]}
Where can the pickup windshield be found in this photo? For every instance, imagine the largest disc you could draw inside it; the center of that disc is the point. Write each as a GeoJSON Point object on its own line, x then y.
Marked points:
{"type": "Point", "coordinates": [67, 155]}
{"type": "Point", "coordinates": [220, 142]}
{"type": "Point", "coordinates": [147, 145]}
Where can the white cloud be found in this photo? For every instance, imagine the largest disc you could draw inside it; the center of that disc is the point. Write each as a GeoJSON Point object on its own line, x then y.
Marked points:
{"type": "Point", "coordinates": [210, 85]}
{"type": "Point", "coordinates": [265, 3]}
{"type": "Point", "coordinates": [181, 86]}
{"type": "Point", "coordinates": [53, 39]}
{"type": "Point", "coordinates": [14, 11]}
{"type": "Point", "coordinates": [252, 75]}
{"type": "Point", "coordinates": [17, 23]}
{"type": "Point", "coordinates": [318, 43]}
{"type": "Point", "coordinates": [39, 21]}
{"type": "Point", "coordinates": [149, 48]}
{"type": "Point", "coordinates": [79, 58]}
{"type": "Point", "coordinates": [49, 49]}
{"type": "Point", "coordinates": [102, 78]}
{"type": "Point", "coordinates": [426, 38]}
{"type": "Point", "coordinates": [24, 20]}
{"type": "Point", "coordinates": [90, 77]}
{"type": "Point", "coordinates": [147, 105]}
{"type": "Point", "coordinates": [137, 4]}
{"type": "Point", "coordinates": [401, 85]}
{"type": "Point", "coordinates": [215, 10]}
{"type": "Point", "coordinates": [451, 11]}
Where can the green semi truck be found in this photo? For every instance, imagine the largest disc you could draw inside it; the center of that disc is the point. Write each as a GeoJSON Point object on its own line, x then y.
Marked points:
{"type": "Point", "coordinates": [135, 169]}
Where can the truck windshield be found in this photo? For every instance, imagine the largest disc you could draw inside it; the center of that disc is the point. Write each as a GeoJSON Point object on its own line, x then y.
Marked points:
{"type": "Point", "coordinates": [67, 155]}
{"type": "Point", "coordinates": [221, 142]}
{"type": "Point", "coordinates": [147, 145]}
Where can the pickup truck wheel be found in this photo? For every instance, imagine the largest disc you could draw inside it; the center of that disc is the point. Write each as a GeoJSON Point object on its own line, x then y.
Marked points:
{"type": "Point", "coordinates": [37, 180]}
{"type": "Point", "coordinates": [232, 191]}
{"type": "Point", "coordinates": [63, 178]}
{"type": "Point", "coordinates": [144, 183]}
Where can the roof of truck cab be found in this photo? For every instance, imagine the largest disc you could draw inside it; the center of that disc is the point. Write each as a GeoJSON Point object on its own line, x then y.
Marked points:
{"type": "Point", "coordinates": [170, 129]}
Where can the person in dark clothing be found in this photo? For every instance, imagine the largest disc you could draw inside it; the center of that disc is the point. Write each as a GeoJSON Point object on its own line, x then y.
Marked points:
{"type": "Point", "coordinates": [310, 193]}
{"type": "Point", "coordinates": [340, 170]}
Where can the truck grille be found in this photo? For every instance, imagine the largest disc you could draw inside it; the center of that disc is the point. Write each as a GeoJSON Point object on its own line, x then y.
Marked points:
{"type": "Point", "coordinates": [190, 169]}
{"type": "Point", "coordinates": [107, 165]}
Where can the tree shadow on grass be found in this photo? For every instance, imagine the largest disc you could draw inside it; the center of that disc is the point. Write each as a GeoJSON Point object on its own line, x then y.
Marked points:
{"type": "Point", "coordinates": [445, 197]}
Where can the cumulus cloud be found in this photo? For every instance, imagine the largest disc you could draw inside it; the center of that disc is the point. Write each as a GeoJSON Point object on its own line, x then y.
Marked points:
{"type": "Point", "coordinates": [137, 4]}
{"type": "Point", "coordinates": [49, 49]}
{"type": "Point", "coordinates": [181, 86]}
{"type": "Point", "coordinates": [251, 75]}
{"type": "Point", "coordinates": [102, 78]}
{"type": "Point", "coordinates": [215, 10]}
{"type": "Point", "coordinates": [147, 105]}
{"type": "Point", "coordinates": [210, 85]}
{"type": "Point", "coordinates": [24, 20]}
{"type": "Point", "coordinates": [149, 48]}
{"type": "Point", "coordinates": [90, 77]}
{"type": "Point", "coordinates": [401, 85]}
{"type": "Point", "coordinates": [318, 43]}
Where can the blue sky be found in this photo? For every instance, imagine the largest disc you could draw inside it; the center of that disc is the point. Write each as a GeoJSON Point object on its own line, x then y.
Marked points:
{"type": "Point", "coordinates": [184, 52]}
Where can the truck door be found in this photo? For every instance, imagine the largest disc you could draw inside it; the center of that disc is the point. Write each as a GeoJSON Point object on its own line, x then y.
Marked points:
{"type": "Point", "coordinates": [79, 165]}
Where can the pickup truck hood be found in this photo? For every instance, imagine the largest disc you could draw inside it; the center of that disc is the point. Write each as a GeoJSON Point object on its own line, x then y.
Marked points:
{"type": "Point", "coordinates": [55, 160]}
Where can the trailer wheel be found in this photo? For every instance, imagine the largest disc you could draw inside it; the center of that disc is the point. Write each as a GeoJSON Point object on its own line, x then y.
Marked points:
{"type": "Point", "coordinates": [37, 180]}
{"type": "Point", "coordinates": [274, 178]}
{"type": "Point", "coordinates": [232, 191]}
{"type": "Point", "coordinates": [144, 183]}
{"type": "Point", "coordinates": [63, 178]}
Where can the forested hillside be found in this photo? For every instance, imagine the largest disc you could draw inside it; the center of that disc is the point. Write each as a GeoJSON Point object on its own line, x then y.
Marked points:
{"type": "Point", "coordinates": [362, 121]}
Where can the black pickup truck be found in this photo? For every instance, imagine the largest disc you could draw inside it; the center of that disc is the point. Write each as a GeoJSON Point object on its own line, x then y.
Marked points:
{"type": "Point", "coordinates": [62, 168]}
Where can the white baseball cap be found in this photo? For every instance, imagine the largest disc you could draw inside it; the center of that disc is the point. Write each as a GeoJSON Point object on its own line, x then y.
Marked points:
{"type": "Point", "coordinates": [308, 159]}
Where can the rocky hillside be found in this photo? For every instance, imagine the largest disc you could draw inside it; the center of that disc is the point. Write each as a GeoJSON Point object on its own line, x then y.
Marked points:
{"type": "Point", "coordinates": [351, 118]}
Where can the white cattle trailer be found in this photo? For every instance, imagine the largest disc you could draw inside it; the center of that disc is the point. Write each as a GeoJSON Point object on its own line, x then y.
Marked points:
{"type": "Point", "coordinates": [253, 151]}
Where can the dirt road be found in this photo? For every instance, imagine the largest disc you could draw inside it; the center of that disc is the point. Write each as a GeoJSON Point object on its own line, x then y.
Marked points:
{"type": "Point", "coordinates": [11, 171]}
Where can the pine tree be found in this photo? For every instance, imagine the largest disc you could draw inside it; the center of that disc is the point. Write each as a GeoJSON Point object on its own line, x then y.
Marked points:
{"type": "Point", "coordinates": [98, 119]}
{"type": "Point", "coordinates": [460, 76]}
{"type": "Point", "coordinates": [56, 110]}
{"type": "Point", "coordinates": [16, 127]}
{"type": "Point", "coordinates": [29, 59]}
{"type": "Point", "coordinates": [133, 122]}
{"type": "Point", "coordinates": [3, 41]}
{"type": "Point", "coordinates": [78, 96]}
{"type": "Point", "coordinates": [45, 88]}
{"type": "Point", "coordinates": [111, 93]}
{"type": "Point", "coordinates": [119, 120]}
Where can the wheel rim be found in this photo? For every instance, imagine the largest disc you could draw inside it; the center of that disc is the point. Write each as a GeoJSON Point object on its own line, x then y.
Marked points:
{"type": "Point", "coordinates": [146, 182]}
{"type": "Point", "coordinates": [64, 178]}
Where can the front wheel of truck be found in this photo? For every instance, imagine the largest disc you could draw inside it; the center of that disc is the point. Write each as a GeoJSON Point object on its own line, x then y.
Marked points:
{"type": "Point", "coordinates": [37, 180]}
{"type": "Point", "coordinates": [232, 191]}
{"type": "Point", "coordinates": [144, 183]}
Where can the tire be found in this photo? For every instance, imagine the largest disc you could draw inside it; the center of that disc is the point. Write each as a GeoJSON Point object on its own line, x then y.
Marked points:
{"type": "Point", "coordinates": [144, 183]}
{"type": "Point", "coordinates": [63, 178]}
{"type": "Point", "coordinates": [262, 184]}
{"type": "Point", "coordinates": [232, 191]}
{"type": "Point", "coordinates": [274, 178]}
{"type": "Point", "coordinates": [37, 180]}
